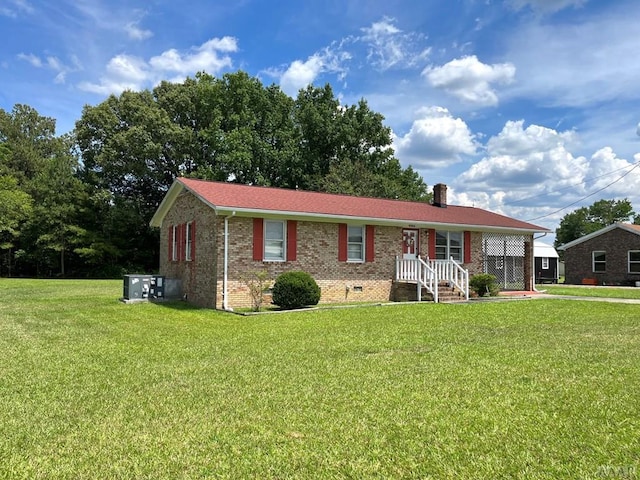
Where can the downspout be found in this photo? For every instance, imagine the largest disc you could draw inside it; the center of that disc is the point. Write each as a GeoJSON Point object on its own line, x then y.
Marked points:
{"type": "Point", "coordinates": [225, 303]}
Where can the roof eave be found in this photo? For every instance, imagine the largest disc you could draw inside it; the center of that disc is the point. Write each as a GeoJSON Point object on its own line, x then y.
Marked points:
{"type": "Point", "coordinates": [597, 233]}
{"type": "Point", "coordinates": [174, 190]}
{"type": "Point", "coordinates": [227, 210]}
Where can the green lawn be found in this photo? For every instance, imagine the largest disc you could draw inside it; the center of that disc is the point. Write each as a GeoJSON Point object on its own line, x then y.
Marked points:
{"type": "Point", "coordinates": [588, 291]}
{"type": "Point", "coordinates": [93, 388]}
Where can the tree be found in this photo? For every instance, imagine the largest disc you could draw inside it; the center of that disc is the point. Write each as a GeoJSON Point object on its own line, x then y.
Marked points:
{"type": "Point", "coordinates": [60, 199]}
{"type": "Point", "coordinates": [347, 149]}
{"type": "Point", "coordinates": [28, 140]}
{"type": "Point", "coordinates": [15, 208]}
{"type": "Point", "coordinates": [586, 220]}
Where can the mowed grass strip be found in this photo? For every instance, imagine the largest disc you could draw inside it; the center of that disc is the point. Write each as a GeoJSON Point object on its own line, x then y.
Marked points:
{"type": "Point", "coordinates": [93, 388]}
{"type": "Point", "coordinates": [632, 293]}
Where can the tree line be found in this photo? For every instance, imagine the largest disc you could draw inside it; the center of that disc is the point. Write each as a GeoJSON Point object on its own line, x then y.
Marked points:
{"type": "Point", "coordinates": [78, 205]}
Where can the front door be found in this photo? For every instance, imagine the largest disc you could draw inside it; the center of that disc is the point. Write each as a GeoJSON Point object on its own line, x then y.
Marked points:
{"type": "Point", "coordinates": [410, 243]}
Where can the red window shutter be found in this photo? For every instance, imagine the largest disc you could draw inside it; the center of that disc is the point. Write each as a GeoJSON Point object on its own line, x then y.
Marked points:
{"type": "Point", "coordinates": [432, 244]}
{"type": "Point", "coordinates": [369, 254]}
{"type": "Point", "coordinates": [342, 242]}
{"type": "Point", "coordinates": [292, 240]}
{"type": "Point", "coordinates": [181, 249]}
{"type": "Point", "coordinates": [170, 249]}
{"type": "Point", "coordinates": [178, 242]}
{"type": "Point", "coordinates": [467, 247]}
{"type": "Point", "coordinates": [193, 240]}
{"type": "Point", "coordinates": [183, 241]}
{"type": "Point", "coordinates": [258, 239]}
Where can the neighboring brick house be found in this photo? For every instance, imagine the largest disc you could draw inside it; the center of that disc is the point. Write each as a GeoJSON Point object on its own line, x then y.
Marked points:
{"type": "Point", "coordinates": [214, 234]}
{"type": "Point", "coordinates": [610, 256]}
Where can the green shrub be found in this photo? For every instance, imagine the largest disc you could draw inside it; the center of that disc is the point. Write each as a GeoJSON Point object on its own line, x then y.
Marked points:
{"type": "Point", "coordinates": [295, 290]}
{"type": "Point", "coordinates": [484, 284]}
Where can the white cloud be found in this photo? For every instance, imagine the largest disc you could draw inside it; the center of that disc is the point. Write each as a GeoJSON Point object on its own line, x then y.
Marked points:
{"type": "Point", "coordinates": [136, 33]}
{"type": "Point", "coordinates": [52, 63]}
{"type": "Point", "coordinates": [614, 174]}
{"type": "Point", "coordinates": [34, 60]}
{"type": "Point", "coordinates": [389, 46]}
{"type": "Point", "coordinates": [128, 72]}
{"type": "Point", "coordinates": [130, 68]}
{"type": "Point", "coordinates": [206, 57]}
{"type": "Point", "coordinates": [470, 80]}
{"type": "Point", "coordinates": [545, 6]}
{"type": "Point", "coordinates": [13, 8]}
{"type": "Point", "coordinates": [300, 74]}
{"type": "Point", "coordinates": [107, 87]}
{"type": "Point", "coordinates": [518, 158]}
{"type": "Point", "coordinates": [531, 173]}
{"type": "Point", "coordinates": [436, 139]}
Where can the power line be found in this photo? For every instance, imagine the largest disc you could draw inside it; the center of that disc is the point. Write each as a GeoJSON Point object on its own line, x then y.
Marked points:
{"type": "Point", "coordinates": [633, 165]}
{"type": "Point", "coordinates": [587, 196]}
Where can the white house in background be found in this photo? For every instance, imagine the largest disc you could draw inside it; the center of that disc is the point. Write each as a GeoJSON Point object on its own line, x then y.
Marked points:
{"type": "Point", "coordinates": [546, 262]}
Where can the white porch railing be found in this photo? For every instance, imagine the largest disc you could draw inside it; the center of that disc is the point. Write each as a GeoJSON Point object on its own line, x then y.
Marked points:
{"type": "Point", "coordinates": [430, 273]}
{"type": "Point", "coordinates": [452, 272]}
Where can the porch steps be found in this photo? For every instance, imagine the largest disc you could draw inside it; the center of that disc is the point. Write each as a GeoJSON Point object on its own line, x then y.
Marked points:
{"type": "Point", "coordinates": [406, 292]}
{"type": "Point", "coordinates": [449, 294]}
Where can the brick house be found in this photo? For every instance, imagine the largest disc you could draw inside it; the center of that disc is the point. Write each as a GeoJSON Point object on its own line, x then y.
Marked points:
{"type": "Point", "coordinates": [609, 256]}
{"type": "Point", "coordinates": [213, 234]}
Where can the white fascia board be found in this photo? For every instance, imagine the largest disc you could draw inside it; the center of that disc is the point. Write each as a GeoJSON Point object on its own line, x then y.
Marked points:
{"type": "Point", "coordinates": [319, 217]}
{"type": "Point", "coordinates": [174, 190]}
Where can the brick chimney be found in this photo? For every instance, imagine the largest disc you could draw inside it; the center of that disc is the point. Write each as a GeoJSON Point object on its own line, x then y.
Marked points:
{"type": "Point", "coordinates": [440, 195]}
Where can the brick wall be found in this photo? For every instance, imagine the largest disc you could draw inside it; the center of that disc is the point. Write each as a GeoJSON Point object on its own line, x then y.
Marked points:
{"type": "Point", "coordinates": [616, 243]}
{"type": "Point", "coordinates": [197, 275]}
{"type": "Point", "coordinates": [317, 254]}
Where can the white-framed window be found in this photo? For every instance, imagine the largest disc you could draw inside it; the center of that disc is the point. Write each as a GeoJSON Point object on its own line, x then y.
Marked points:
{"type": "Point", "coordinates": [174, 243]}
{"type": "Point", "coordinates": [188, 240]}
{"type": "Point", "coordinates": [634, 261]}
{"type": "Point", "coordinates": [545, 263]}
{"type": "Point", "coordinates": [355, 243]}
{"type": "Point", "coordinates": [599, 258]}
{"type": "Point", "coordinates": [274, 240]}
{"type": "Point", "coordinates": [449, 245]}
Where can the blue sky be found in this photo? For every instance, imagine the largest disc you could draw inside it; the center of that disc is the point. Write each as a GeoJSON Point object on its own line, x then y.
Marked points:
{"type": "Point", "coordinates": [520, 106]}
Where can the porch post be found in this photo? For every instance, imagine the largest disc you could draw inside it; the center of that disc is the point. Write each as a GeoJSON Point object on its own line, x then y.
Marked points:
{"type": "Point", "coordinates": [528, 266]}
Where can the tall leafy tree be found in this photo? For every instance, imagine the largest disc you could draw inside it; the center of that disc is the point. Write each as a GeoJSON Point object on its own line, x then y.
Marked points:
{"type": "Point", "coordinates": [316, 113]}
{"type": "Point", "coordinates": [130, 149]}
{"type": "Point", "coordinates": [56, 227]}
{"type": "Point", "coordinates": [15, 208]}
{"type": "Point", "coordinates": [28, 139]}
{"type": "Point", "coordinates": [586, 220]}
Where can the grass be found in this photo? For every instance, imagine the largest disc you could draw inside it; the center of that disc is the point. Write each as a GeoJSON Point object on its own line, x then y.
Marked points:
{"type": "Point", "coordinates": [588, 291]}
{"type": "Point", "coordinates": [92, 388]}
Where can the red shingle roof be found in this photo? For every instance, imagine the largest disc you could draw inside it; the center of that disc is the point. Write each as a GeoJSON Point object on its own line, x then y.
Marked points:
{"type": "Point", "coordinates": [230, 196]}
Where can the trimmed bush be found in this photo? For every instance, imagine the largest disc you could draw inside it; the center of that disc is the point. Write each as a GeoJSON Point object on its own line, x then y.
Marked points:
{"type": "Point", "coordinates": [295, 290]}
{"type": "Point", "coordinates": [484, 284]}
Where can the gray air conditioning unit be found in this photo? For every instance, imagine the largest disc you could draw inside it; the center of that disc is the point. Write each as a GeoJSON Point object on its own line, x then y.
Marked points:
{"type": "Point", "coordinates": [136, 287]}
